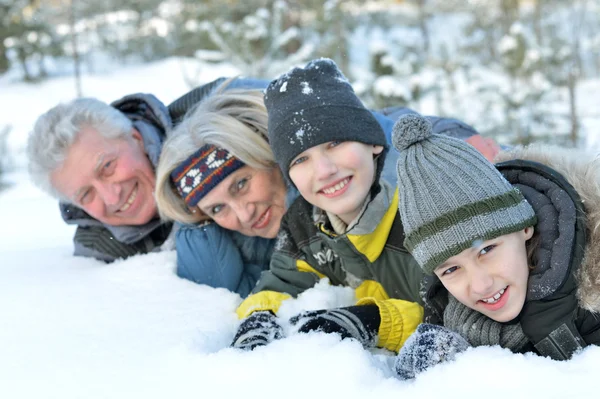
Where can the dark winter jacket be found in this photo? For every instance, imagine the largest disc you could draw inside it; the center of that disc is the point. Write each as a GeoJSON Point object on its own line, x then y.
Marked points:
{"type": "Point", "coordinates": [369, 257]}
{"type": "Point", "coordinates": [560, 314]}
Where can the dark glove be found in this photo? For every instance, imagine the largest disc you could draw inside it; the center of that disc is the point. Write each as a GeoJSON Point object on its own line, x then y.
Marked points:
{"type": "Point", "coordinates": [258, 329]}
{"type": "Point", "coordinates": [358, 322]}
{"type": "Point", "coordinates": [427, 346]}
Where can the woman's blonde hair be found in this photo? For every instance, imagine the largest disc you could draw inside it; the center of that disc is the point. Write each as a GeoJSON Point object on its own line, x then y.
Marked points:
{"type": "Point", "coordinates": [235, 120]}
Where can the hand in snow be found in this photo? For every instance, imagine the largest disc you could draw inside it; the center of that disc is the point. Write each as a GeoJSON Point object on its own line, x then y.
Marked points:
{"type": "Point", "coordinates": [258, 329]}
{"type": "Point", "coordinates": [427, 346]}
{"type": "Point", "coordinates": [358, 322]}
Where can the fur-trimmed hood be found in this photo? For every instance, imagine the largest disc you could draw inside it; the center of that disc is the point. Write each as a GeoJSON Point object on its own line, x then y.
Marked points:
{"type": "Point", "coordinates": [582, 170]}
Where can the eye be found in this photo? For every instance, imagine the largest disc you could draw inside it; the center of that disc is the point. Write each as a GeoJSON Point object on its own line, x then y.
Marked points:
{"type": "Point", "coordinates": [298, 161]}
{"type": "Point", "coordinates": [242, 183]}
{"type": "Point", "coordinates": [334, 143]}
{"type": "Point", "coordinates": [449, 271]}
{"type": "Point", "coordinates": [487, 249]}
{"type": "Point", "coordinates": [85, 197]}
{"type": "Point", "coordinates": [216, 209]}
{"type": "Point", "coordinates": [108, 167]}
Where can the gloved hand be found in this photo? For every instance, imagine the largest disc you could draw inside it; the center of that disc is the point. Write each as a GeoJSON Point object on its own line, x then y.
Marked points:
{"type": "Point", "coordinates": [258, 329]}
{"type": "Point", "coordinates": [427, 346]}
{"type": "Point", "coordinates": [358, 322]}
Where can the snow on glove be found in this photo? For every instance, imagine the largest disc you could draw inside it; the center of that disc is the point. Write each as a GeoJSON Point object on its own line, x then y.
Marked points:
{"type": "Point", "coordinates": [258, 329]}
{"type": "Point", "coordinates": [427, 346]}
{"type": "Point", "coordinates": [358, 322]}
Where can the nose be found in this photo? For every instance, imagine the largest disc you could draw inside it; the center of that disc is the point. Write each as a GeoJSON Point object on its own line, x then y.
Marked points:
{"type": "Point", "coordinates": [244, 211]}
{"type": "Point", "coordinates": [325, 167]}
{"type": "Point", "coordinates": [481, 282]}
{"type": "Point", "coordinates": [110, 192]}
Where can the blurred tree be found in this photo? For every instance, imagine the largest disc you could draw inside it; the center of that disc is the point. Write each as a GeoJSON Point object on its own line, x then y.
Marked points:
{"type": "Point", "coordinates": [4, 154]}
{"type": "Point", "coordinates": [26, 32]}
{"type": "Point", "coordinates": [261, 38]}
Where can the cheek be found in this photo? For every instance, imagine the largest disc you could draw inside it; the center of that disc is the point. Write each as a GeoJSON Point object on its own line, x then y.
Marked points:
{"type": "Point", "coordinates": [228, 222]}
{"type": "Point", "coordinates": [457, 290]}
{"type": "Point", "coordinates": [94, 208]}
{"type": "Point", "coordinates": [299, 177]}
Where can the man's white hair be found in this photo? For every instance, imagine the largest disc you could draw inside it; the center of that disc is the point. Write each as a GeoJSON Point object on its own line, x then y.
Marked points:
{"type": "Point", "coordinates": [56, 130]}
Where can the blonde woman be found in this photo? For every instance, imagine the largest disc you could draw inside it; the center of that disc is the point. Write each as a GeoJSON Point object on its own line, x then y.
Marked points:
{"type": "Point", "coordinates": [218, 178]}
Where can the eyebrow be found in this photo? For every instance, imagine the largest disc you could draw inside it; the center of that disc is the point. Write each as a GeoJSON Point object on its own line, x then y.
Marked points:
{"type": "Point", "coordinates": [99, 163]}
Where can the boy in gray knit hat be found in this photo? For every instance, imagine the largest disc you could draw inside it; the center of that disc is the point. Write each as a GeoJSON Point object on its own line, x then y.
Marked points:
{"type": "Point", "coordinates": [467, 225]}
{"type": "Point", "coordinates": [345, 225]}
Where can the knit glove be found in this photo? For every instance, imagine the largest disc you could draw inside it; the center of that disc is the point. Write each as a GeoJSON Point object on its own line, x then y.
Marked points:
{"type": "Point", "coordinates": [258, 329]}
{"type": "Point", "coordinates": [358, 322]}
{"type": "Point", "coordinates": [426, 347]}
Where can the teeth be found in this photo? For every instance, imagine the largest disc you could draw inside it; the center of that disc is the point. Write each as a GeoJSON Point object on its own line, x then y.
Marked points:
{"type": "Point", "coordinates": [337, 187]}
{"type": "Point", "coordinates": [261, 220]}
{"type": "Point", "coordinates": [495, 298]}
{"type": "Point", "coordinates": [130, 200]}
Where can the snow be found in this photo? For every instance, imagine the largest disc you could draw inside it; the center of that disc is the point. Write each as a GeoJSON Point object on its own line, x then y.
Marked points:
{"type": "Point", "coordinates": [283, 87]}
{"type": "Point", "coordinates": [78, 328]}
{"type": "Point", "coordinates": [306, 89]}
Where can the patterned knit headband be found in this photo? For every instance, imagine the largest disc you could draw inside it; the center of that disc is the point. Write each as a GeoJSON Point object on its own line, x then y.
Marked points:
{"type": "Point", "coordinates": [202, 171]}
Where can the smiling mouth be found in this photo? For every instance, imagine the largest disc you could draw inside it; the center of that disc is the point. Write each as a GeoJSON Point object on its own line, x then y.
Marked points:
{"type": "Point", "coordinates": [494, 298]}
{"type": "Point", "coordinates": [264, 220]}
{"type": "Point", "coordinates": [336, 187]}
{"type": "Point", "coordinates": [130, 199]}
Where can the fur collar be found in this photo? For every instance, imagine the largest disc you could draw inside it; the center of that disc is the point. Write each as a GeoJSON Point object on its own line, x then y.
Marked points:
{"type": "Point", "coordinates": [582, 170]}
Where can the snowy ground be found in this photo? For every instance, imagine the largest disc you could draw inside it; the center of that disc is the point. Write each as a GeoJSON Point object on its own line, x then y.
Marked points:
{"type": "Point", "coordinates": [78, 328]}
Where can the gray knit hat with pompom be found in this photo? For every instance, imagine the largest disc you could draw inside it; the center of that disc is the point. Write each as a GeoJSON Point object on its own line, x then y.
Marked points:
{"type": "Point", "coordinates": [450, 195]}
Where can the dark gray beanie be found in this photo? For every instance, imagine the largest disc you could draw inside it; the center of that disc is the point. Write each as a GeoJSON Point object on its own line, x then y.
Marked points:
{"type": "Point", "coordinates": [314, 105]}
{"type": "Point", "coordinates": [450, 195]}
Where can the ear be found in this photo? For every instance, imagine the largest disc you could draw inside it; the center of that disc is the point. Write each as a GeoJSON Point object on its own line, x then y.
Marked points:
{"type": "Point", "coordinates": [137, 136]}
{"type": "Point", "coordinates": [528, 232]}
{"type": "Point", "coordinates": [377, 149]}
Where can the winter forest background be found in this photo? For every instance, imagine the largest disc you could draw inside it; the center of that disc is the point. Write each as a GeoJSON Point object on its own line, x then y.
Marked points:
{"type": "Point", "coordinates": [517, 70]}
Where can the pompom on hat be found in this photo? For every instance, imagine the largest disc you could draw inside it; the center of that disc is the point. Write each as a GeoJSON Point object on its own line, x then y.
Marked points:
{"type": "Point", "coordinates": [450, 195]}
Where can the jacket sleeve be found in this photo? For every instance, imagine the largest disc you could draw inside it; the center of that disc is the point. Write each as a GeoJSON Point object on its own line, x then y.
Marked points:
{"type": "Point", "coordinates": [289, 274]}
{"type": "Point", "coordinates": [208, 255]}
{"type": "Point", "coordinates": [99, 243]}
{"type": "Point", "coordinates": [399, 319]}
{"type": "Point", "coordinates": [179, 107]}
{"type": "Point", "coordinates": [285, 278]}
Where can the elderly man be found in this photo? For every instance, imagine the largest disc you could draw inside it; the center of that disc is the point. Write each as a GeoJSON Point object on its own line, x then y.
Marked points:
{"type": "Point", "coordinates": [99, 161]}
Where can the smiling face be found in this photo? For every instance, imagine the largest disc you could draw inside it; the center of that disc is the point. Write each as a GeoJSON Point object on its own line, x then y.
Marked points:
{"type": "Point", "coordinates": [336, 176]}
{"type": "Point", "coordinates": [111, 179]}
{"type": "Point", "coordinates": [250, 201]}
{"type": "Point", "coordinates": [490, 277]}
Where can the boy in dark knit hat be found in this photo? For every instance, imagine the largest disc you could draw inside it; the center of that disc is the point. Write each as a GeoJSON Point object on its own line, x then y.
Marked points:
{"type": "Point", "coordinates": [345, 226]}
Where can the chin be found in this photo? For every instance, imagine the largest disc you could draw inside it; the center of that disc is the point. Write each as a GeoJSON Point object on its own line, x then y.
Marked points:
{"type": "Point", "coordinates": [271, 234]}
{"type": "Point", "coordinates": [505, 317]}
